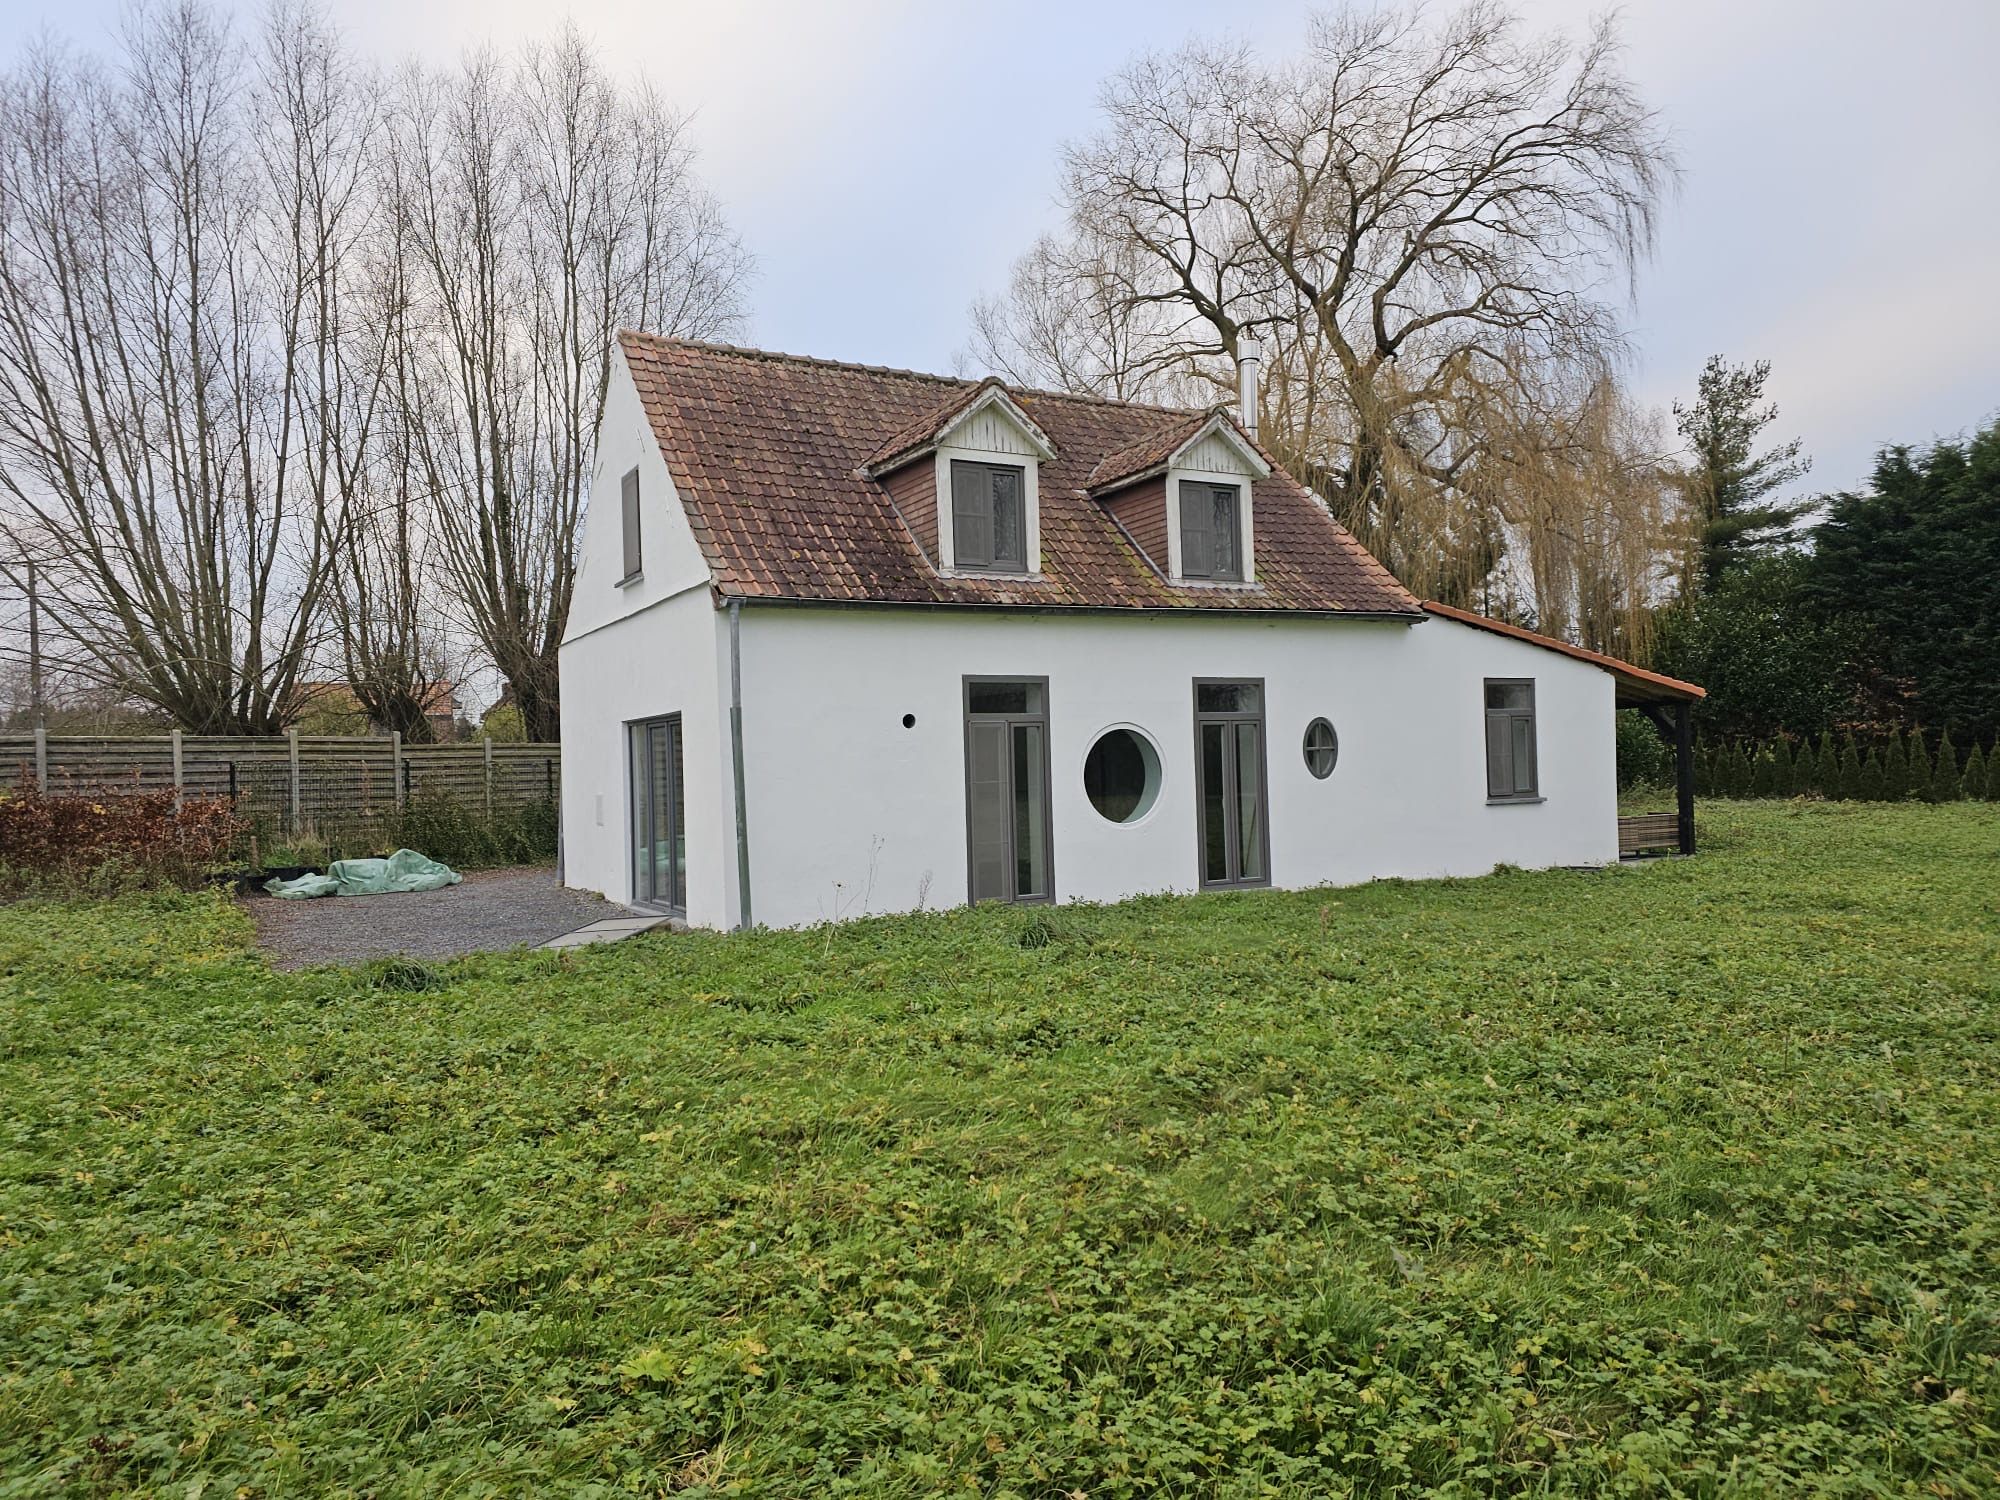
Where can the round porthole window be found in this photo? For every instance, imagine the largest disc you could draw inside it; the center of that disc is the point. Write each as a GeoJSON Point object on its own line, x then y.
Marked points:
{"type": "Point", "coordinates": [1121, 775]}
{"type": "Point", "coordinates": [1322, 748]}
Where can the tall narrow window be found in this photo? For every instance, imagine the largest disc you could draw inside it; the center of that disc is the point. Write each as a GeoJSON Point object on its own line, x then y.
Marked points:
{"type": "Point", "coordinates": [1231, 809]}
{"type": "Point", "coordinates": [989, 517]}
{"type": "Point", "coordinates": [629, 506]}
{"type": "Point", "coordinates": [1510, 739]}
{"type": "Point", "coordinates": [659, 837]}
{"type": "Point", "coordinates": [1007, 790]}
{"type": "Point", "coordinates": [1211, 537]}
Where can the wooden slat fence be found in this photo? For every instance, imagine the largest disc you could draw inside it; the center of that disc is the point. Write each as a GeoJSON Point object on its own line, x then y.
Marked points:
{"type": "Point", "coordinates": [294, 780]}
{"type": "Point", "coordinates": [1639, 832]}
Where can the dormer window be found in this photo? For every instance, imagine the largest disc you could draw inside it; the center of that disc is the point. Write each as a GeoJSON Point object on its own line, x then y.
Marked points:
{"type": "Point", "coordinates": [1183, 497]}
{"type": "Point", "coordinates": [965, 478]}
{"type": "Point", "coordinates": [989, 516]}
{"type": "Point", "coordinates": [1211, 531]}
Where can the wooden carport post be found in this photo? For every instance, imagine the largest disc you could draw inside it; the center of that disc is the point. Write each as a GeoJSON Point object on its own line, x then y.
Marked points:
{"type": "Point", "coordinates": [1684, 771]}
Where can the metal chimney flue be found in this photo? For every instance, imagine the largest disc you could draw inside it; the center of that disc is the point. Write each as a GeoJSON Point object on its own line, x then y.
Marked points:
{"type": "Point", "coordinates": [1249, 359]}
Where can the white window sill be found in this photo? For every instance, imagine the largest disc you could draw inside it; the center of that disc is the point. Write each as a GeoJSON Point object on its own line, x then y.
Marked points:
{"type": "Point", "coordinates": [986, 577]}
{"type": "Point", "coordinates": [631, 578]}
{"type": "Point", "coordinates": [1515, 801]}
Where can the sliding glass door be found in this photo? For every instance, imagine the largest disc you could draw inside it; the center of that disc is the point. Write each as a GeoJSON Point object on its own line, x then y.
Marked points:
{"type": "Point", "coordinates": [659, 839]}
{"type": "Point", "coordinates": [1007, 790]}
{"type": "Point", "coordinates": [1230, 810]}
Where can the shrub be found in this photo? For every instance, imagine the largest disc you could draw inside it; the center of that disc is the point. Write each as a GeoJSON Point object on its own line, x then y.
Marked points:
{"type": "Point", "coordinates": [1895, 770]}
{"type": "Point", "coordinates": [1945, 785]}
{"type": "Point", "coordinates": [113, 838]}
{"type": "Point", "coordinates": [464, 837]}
{"type": "Point", "coordinates": [1644, 758]}
{"type": "Point", "coordinates": [1920, 767]}
{"type": "Point", "coordinates": [1975, 773]}
{"type": "Point", "coordinates": [1993, 774]}
{"type": "Point", "coordinates": [1870, 784]}
{"type": "Point", "coordinates": [1784, 775]}
{"type": "Point", "coordinates": [1764, 773]}
{"type": "Point", "coordinates": [1826, 769]}
{"type": "Point", "coordinates": [1850, 770]}
{"type": "Point", "coordinates": [1738, 775]}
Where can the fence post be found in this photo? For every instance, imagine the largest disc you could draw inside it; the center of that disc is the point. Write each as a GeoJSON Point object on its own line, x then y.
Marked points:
{"type": "Point", "coordinates": [292, 741]}
{"type": "Point", "coordinates": [489, 780]}
{"type": "Point", "coordinates": [178, 783]}
{"type": "Point", "coordinates": [41, 760]}
{"type": "Point", "coordinates": [396, 761]}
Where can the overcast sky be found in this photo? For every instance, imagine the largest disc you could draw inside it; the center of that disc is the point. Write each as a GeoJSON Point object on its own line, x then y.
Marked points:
{"type": "Point", "coordinates": [1840, 213]}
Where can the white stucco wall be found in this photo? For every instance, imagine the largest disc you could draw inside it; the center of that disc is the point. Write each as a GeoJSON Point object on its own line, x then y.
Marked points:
{"type": "Point", "coordinates": [851, 812]}
{"type": "Point", "coordinates": [638, 651]}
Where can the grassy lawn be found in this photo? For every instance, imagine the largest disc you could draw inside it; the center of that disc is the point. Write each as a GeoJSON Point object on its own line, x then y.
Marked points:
{"type": "Point", "coordinates": [1673, 1180]}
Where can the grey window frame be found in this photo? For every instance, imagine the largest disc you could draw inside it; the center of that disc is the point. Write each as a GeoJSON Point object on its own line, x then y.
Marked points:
{"type": "Point", "coordinates": [628, 517]}
{"type": "Point", "coordinates": [1209, 489]}
{"type": "Point", "coordinates": [990, 563]}
{"type": "Point", "coordinates": [1231, 841]}
{"type": "Point", "coordinates": [1509, 717]}
{"type": "Point", "coordinates": [637, 731]}
{"type": "Point", "coordinates": [1306, 747]}
{"type": "Point", "coordinates": [967, 718]}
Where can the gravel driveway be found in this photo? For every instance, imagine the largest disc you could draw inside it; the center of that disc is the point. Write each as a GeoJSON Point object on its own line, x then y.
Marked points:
{"type": "Point", "coordinates": [490, 911]}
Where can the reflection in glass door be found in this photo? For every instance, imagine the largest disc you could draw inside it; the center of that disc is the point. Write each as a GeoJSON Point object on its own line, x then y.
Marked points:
{"type": "Point", "coordinates": [1231, 808]}
{"type": "Point", "coordinates": [659, 844]}
{"type": "Point", "coordinates": [1007, 790]}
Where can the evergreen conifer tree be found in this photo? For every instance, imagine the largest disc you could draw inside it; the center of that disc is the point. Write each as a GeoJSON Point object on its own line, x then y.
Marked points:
{"type": "Point", "coordinates": [1895, 770]}
{"type": "Point", "coordinates": [1945, 785]}
{"type": "Point", "coordinates": [1920, 767]}
{"type": "Point", "coordinates": [1871, 778]}
{"type": "Point", "coordinates": [1993, 773]}
{"type": "Point", "coordinates": [1785, 778]}
{"type": "Point", "coordinates": [1741, 772]}
{"type": "Point", "coordinates": [1826, 770]}
{"type": "Point", "coordinates": [1764, 774]}
{"type": "Point", "coordinates": [1975, 773]}
{"type": "Point", "coordinates": [1850, 770]}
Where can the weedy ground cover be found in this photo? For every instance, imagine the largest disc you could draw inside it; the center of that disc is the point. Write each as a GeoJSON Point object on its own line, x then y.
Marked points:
{"type": "Point", "coordinates": [1674, 1180]}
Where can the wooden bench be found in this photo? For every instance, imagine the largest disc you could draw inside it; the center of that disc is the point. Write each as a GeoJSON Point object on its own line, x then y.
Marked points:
{"type": "Point", "coordinates": [1648, 831]}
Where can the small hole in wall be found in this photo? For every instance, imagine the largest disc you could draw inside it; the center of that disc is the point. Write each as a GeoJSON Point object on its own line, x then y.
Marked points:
{"type": "Point", "coordinates": [909, 721]}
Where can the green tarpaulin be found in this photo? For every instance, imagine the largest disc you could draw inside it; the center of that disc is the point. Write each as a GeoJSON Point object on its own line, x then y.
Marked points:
{"type": "Point", "coordinates": [405, 870]}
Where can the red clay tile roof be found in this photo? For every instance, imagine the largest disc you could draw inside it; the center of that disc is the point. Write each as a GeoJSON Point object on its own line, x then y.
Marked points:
{"type": "Point", "coordinates": [766, 451]}
{"type": "Point", "coordinates": [1635, 684]}
{"type": "Point", "coordinates": [925, 430]}
{"type": "Point", "coordinates": [1149, 452]}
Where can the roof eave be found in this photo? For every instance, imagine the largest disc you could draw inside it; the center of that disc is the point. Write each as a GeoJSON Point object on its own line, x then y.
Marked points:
{"type": "Point", "coordinates": [1635, 685]}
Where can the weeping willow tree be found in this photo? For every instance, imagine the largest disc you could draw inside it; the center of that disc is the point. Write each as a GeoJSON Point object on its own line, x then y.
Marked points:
{"type": "Point", "coordinates": [1417, 221]}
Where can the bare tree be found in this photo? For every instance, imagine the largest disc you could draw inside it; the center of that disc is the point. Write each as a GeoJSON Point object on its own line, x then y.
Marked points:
{"type": "Point", "coordinates": [174, 239]}
{"type": "Point", "coordinates": [1420, 221]}
{"type": "Point", "coordinates": [542, 207]}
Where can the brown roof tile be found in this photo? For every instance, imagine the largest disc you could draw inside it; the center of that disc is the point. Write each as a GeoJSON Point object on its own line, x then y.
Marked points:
{"type": "Point", "coordinates": [1149, 452]}
{"type": "Point", "coordinates": [1636, 685]}
{"type": "Point", "coordinates": [766, 451]}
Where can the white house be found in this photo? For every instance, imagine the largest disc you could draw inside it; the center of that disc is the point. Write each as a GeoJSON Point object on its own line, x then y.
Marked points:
{"type": "Point", "coordinates": [849, 640]}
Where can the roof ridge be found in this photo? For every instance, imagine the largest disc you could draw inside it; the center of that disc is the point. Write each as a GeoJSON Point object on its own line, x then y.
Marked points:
{"type": "Point", "coordinates": [779, 356]}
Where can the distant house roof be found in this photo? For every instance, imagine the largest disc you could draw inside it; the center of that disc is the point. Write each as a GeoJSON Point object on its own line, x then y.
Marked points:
{"type": "Point", "coordinates": [775, 458]}
{"type": "Point", "coordinates": [1636, 685]}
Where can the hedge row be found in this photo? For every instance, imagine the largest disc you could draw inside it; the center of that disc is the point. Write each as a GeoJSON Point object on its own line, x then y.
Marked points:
{"type": "Point", "coordinates": [1902, 768]}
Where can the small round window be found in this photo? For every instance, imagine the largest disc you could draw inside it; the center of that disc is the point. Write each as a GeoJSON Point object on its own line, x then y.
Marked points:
{"type": "Point", "coordinates": [1121, 775]}
{"type": "Point", "coordinates": [1322, 748]}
